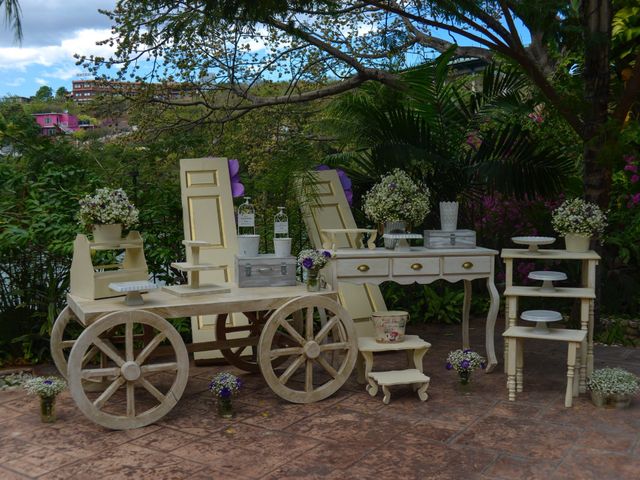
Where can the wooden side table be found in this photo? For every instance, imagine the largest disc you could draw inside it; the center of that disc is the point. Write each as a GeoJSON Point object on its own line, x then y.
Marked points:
{"type": "Point", "coordinates": [412, 376]}
{"type": "Point", "coordinates": [414, 346]}
{"type": "Point", "coordinates": [514, 337]}
{"type": "Point", "coordinates": [586, 293]}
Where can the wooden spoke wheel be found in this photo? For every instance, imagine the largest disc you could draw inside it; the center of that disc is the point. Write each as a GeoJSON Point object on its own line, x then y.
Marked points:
{"type": "Point", "coordinates": [63, 339]}
{"type": "Point", "coordinates": [143, 385]}
{"type": "Point", "coordinates": [322, 357]}
{"type": "Point", "coordinates": [245, 357]}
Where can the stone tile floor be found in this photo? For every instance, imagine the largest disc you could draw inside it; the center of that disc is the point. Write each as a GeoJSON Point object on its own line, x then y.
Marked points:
{"type": "Point", "coordinates": [350, 435]}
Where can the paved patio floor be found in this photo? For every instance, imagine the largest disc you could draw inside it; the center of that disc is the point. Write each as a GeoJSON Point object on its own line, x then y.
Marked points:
{"type": "Point", "coordinates": [350, 435]}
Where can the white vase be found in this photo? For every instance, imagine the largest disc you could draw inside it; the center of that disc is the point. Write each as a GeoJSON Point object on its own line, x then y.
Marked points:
{"type": "Point", "coordinates": [107, 233]}
{"type": "Point", "coordinates": [577, 243]}
{"type": "Point", "coordinates": [448, 216]}
{"type": "Point", "coordinates": [248, 245]}
{"type": "Point", "coordinates": [282, 247]}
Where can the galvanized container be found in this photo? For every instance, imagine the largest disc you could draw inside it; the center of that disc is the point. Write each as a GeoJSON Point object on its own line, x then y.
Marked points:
{"type": "Point", "coordinates": [266, 271]}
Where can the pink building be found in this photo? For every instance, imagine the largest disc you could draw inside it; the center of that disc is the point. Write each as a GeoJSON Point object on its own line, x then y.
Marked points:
{"type": "Point", "coordinates": [55, 123]}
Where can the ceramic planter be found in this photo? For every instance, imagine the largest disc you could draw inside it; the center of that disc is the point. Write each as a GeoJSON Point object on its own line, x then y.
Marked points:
{"type": "Point", "coordinates": [107, 233]}
{"type": "Point", "coordinates": [617, 400]}
{"type": "Point", "coordinates": [577, 243]}
{"type": "Point", "coordinates": [448, 216]}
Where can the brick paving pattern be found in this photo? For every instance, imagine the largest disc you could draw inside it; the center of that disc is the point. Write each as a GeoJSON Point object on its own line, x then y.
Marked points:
{"type": "Point", "coordinates": [350, 435]}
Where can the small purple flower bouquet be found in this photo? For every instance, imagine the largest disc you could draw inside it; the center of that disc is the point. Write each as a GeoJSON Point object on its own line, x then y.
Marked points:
{"type": "Point", "coordinates": [225, 385]}
{"type": "Point", "coordinates": [465, 362]}
{"type": "Point", "coordinates": [313, 259]}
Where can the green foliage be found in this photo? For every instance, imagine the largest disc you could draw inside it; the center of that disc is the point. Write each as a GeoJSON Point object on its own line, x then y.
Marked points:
{"type": "Point", "coordinates": [44, 93]}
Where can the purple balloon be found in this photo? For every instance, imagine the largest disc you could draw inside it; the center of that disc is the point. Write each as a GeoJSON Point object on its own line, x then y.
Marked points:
{"type": "Point", "coordinates": [237, 189]}
{"type": "Point", "coordinates": [349, 195]}
{"type": "Point", "coordinates": [323, 167]}
{"type": "Point", "coordinates": [234, 167]}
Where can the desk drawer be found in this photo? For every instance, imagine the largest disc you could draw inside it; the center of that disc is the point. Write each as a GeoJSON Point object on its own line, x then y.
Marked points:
{"type": "Point", "coordinates": [416, 266]}
{"type": "Point", "coordinates": [467, 265]}
{"type": "Point", "coordinates": [363, 267]}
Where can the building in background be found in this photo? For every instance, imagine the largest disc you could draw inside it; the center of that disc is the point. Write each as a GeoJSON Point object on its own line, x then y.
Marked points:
{"type": "Point", "coordinates": [56, 123]}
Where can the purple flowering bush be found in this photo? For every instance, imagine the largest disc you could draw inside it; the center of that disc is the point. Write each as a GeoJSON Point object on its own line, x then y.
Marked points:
{"type": "Point", "coordinates": [225, 385]}
{"type": "Point", "coordinates": [464, 362]}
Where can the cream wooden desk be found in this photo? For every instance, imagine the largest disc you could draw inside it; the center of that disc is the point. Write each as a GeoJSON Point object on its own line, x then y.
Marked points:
{"type": "Point", "coordinates": [424, 265]}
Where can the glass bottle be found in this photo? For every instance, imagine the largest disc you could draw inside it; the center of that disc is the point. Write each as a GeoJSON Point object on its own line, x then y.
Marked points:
{"type": "Point", "coordinates": [280, 224]}
{"type": "Point", "coordinates": [246, 218]}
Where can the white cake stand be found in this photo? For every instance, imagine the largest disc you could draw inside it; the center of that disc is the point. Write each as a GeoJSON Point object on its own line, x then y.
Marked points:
{"type": "Point", "coordinates": [547, 279]}
{"type": "Point", "coordinates": [401, 240]}
{"type": "Point", "coordinates": [133, 291]}
{"type": "Point", "coordinates": [533, 242]}
{"type": "Point", "coordinates": [542, 318]}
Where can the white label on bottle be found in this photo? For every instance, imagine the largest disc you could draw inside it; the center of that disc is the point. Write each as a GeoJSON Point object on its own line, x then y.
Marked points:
{"type": "Point", "coordinates": [281, 227]}
{"type": "Point", "coordinates": [246, 220]}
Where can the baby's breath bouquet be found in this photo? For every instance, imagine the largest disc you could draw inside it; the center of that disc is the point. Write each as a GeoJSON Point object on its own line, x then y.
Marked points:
{"type": "Point", "coordinates": [578, 217]}
{"type": "Point", "coordinates": [313, 259]}
{"type": "Point", "coordinates": [47, 388]}
{"type": "Point", "coordinates": [107, 206]}
{"type": "Point", "coordinates": [464, 362]}
{"type": "Point", "coordinates": [613, 386]}
{"type": "Point", "coordinates": [397, 198]}
{"type": "Point", "coordinates": [224, 386]}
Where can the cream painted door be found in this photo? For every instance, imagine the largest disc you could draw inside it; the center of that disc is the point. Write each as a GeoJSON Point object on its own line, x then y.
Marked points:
{"type": "Point", "coordinates": [329, 209]}
{"type": "Point", "coordinates": [207, 211]}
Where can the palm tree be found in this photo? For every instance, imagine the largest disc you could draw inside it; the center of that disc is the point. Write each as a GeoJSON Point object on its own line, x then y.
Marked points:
{"type": "Point", "coordinates": [458, 141]}
{"type": "Point", "coordinates": [12, 17]}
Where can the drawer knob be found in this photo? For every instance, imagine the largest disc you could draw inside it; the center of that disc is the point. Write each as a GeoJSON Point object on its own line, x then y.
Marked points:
{"type": "Point", "coordinates": [363, 268]}
{"type": "Point", "coordinates": [467, 265]}
{"type": "Point", "coordinates": [416, 266]}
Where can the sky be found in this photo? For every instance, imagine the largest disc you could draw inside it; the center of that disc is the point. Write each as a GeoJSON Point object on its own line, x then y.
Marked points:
{"type": "Point", "coordinates": [53, 31]}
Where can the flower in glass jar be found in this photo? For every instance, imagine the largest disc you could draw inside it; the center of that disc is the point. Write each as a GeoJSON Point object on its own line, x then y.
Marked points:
{"type": "Point", "coordinates": [225, 385]}
{"type": "Point", "coordinates": [44, 386]}
{"type": "Point", "coordinates": [313, 259]}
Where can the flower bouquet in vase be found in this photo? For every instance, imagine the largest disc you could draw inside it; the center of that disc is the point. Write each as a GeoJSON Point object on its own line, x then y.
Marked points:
{"type": "Point", "coordinates": [47, 388]}
{"type": "Point", "coordinates": [224, 386]}
{"type": "Point", "coordinates": [577, 221]}
{"type": "Point", "coordinates": [395, 202]}
{"type": "Point", "coordinates": [312, 261]}
{"type": "Point", "coordinates": [106, 212]}
{"type": "Point", "coordinates": [464, 362]}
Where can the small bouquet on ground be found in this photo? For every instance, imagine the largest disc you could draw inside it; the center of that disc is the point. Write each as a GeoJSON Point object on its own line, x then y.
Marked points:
{"type": "Point", "coordinates": [464, 362]}
{"type": "Point", "coordinates": [577, 217]}
{"type": "Point", "coordinates": [47, 388]}
{"type": "Point", "coordinates": [107, 207]}
{"type": "Point", "coordinates": [224, 386]}
{"type": "Point", "coordinates": [397, 198]}
{"type": "Point", "coordinates": [313, 261]}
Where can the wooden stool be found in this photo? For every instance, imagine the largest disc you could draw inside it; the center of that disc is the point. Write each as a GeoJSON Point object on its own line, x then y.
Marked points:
{"type": "Point", "coordinates": [399, 377]}
{"type": "Point", "coordinates": [514, 337]}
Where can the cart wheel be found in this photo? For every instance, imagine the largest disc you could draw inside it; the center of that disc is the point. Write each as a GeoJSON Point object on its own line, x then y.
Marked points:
{"type": "Point", "coordinates": [318, 378]}
{"type": "Point", "coordinates": [61, 344]}
{"type": "Point", "coordinates": [241, 357]}
{"type": "Point", "coordinates": [141, 391]}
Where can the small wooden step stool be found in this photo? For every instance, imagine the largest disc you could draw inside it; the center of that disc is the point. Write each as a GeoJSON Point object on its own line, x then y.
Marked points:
{"type": "Point", "coordinates": [398, 377]}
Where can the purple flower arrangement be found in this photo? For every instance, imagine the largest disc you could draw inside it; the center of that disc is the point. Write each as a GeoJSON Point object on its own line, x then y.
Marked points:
{"type": "Point", "coordinates": [464, 362]}
{"type": "Point", "coordinates": [225, 385]}
{"type": "Point", "coordinates": [313, 260]}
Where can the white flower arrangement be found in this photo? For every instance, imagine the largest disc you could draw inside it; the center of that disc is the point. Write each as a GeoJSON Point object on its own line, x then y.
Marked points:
{"type": "Point", "coordinates": [397, 198]}
{"type": "Point", "coordinates": [106, 207]}
{"type": "Point", "coordinates": [578, 217]}
{"type": "Point", "coordinates": [313, 259]}
{"type": "Point", "coordinates": [614, 381]}
{"type": "Point", "coordinates": [225, 385]}
{"type": "Point", "coordinates": [44, 386]}
{"type": "Point", "coordinates": [464, 361]}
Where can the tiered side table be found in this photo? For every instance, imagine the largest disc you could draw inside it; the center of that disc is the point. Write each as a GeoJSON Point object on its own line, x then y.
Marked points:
{"type": "Point", "coordinates": [586, 293]}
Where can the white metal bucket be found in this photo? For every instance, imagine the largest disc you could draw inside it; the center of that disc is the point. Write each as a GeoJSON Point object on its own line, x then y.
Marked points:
{"type": "Point", "coordinates": [282, 247]}
{"type": "Point", "coordinates": [390, 326]}
{"type": "Point", "coordinates": [248, 245]}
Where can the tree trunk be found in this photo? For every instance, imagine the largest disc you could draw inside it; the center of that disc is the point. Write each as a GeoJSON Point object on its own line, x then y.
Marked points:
{"type": "Point", "coordinates": [596, 18]}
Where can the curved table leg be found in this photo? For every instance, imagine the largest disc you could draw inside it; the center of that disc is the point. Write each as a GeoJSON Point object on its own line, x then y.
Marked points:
{"type": "Point", "coordinates": [466, 309]}
{"type": "Point", "coordinates": [492, 361]}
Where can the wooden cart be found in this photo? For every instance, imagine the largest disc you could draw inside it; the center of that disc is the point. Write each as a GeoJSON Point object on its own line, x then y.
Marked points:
{"type": "Point", "coordinates": [127, 366]}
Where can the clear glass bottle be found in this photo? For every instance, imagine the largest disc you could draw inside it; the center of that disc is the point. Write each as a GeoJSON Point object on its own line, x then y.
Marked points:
{"type": "Point", "coordinates": [246, 218]}
{"type": "Point", "coordinates": [280, 224]}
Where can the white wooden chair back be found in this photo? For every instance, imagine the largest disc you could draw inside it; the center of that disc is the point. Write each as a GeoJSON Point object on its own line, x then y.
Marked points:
{"type": "Point", "coordinates": [329, 208]}
{"type": "Point", "coordinates": [208, 214]}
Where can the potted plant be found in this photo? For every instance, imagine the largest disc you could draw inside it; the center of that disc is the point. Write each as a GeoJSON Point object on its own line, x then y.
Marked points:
{"type": "Point", "coordinates": [397, 201]}
{"type": "Point", "coordinates": [224, 386]}
{"type": "Point", "coordinates": [313, 261]}
{"type": "Point", "coordinates": [464, 362]}
{"type": "Point", "coordinates": [613, 386]}
{"type": "Point", "coordinates": [578, 221]}
{"type": "Point", "coordinates": [47, 388]}
{"type": "Point", "coordinates": [106, 212]}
